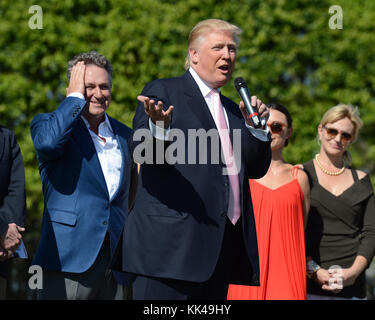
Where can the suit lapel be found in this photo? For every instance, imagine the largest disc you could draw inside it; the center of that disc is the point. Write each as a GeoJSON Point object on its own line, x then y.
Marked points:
{"type": "Point", "coordinates": [83, 138]}
{"type": "Point", "coordinates": [232, 119]}
{"type": "Point", "coordinates": [123, 145]}
{"type": "Point", "coordinates": [196, 102]}
{"type": "Point", "coordinates": [236, 122]}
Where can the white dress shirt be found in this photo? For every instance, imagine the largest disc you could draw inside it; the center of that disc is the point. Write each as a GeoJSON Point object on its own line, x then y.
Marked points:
{"type": "Point", "coordinates": [108, 151]}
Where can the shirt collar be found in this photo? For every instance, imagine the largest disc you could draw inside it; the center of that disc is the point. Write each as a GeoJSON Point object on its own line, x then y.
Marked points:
{"type": "Point", "coordinates": [104, 123]}
{"type": "Point", "coordinates": [203, 86]}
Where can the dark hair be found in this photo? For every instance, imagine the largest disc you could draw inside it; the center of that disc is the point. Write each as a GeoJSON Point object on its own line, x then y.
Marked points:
{"type": "Point", "coordinates": [91, 57]}
{"type": "Point", "coordinates": [283, 110]}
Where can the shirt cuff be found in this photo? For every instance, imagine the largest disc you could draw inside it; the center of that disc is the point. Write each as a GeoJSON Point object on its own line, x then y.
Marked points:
{"type": "Point", "coordinates": [261, 134]}
{"type": "Point", "coordinates": [158, 132]}
{"type": "Point", "coordinates": [76, 95]}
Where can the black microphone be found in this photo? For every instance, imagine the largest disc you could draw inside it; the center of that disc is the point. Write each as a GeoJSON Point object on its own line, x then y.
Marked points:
{"type": "Point", "coordinates": [242, 89]}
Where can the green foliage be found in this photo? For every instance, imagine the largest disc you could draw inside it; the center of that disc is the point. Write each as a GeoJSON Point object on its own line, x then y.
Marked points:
{"type": "Point", "coordinates": [287, 54]}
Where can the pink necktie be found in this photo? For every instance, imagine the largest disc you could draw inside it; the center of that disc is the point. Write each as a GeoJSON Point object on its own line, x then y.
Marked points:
{"type": "Point", "coordinates": [234, 208]}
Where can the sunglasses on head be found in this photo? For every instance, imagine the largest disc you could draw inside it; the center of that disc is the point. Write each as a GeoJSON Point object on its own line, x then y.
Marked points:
{"type": "Point", "coordinates": [332, 133]}
{"type": "Point", "coordinates": [276, 127]}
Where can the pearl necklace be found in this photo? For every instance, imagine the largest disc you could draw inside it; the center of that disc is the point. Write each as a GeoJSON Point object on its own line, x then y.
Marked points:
{"type": "Point", "coordinates": [337, 173]}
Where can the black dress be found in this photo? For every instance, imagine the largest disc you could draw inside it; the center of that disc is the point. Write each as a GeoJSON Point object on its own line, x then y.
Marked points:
{"type": "Point", "coordinates": [340, 228]}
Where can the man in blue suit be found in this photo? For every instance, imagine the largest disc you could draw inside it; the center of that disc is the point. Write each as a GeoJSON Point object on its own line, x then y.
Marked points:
{"type": "Point", "coordinates": [85, 168]}
{"type": "Point", "coordinates": [192, 231]}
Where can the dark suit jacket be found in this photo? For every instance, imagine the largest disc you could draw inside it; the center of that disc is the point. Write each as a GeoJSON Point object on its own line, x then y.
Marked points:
{"type": "Point", "coordinates": [77, 209]}
{"type": "Point", "coordinates": [12, 185]}
{"type": "Point", "coordinates": [176, 227]}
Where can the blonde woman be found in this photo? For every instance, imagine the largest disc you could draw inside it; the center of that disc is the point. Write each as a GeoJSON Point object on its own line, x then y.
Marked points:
{"type": "Point", "coordinates": [340, 234]}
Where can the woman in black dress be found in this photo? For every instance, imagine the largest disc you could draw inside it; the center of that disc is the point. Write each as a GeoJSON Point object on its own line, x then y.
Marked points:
{"type": "Point", "coordinates": [340, 234]}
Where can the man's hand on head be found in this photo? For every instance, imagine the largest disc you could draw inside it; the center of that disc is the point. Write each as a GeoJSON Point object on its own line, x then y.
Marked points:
{"type": "Point", "coordinates": [77, 79]}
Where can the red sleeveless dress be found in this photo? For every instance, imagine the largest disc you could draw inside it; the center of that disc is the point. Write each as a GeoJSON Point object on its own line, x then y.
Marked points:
{"type": "Point", "coordinates": [281, 244]}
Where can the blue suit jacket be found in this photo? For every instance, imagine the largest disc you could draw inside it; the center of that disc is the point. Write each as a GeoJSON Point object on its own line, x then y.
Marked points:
{"type": "Point", "coordinates": [77, 209]}
{"type": "Point", "coordinates": [176, 227]}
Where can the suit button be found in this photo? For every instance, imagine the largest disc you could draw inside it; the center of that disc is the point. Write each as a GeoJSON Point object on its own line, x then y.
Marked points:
{"type": "Point", "coordinates": [105, 222]}
{"type": "Point", "coordinates": [224, 214]}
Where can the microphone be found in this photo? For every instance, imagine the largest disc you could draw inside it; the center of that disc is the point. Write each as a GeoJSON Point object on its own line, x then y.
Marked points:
{"type": "Point", "coordinates": [242, 89]}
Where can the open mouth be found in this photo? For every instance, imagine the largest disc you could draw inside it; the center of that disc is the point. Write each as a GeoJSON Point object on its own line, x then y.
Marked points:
{"type": "Point", "coordinates": [224, 68]}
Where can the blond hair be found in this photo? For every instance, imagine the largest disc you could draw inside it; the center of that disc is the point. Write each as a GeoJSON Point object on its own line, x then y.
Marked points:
{"type": "Point", "coordinates": [197, 34]}
{"type": "Point", "coordinates": [342, 111]}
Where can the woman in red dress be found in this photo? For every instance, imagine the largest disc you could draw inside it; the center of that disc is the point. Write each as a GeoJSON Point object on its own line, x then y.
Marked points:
{"type": "Point", "coordinates": [281, 203]}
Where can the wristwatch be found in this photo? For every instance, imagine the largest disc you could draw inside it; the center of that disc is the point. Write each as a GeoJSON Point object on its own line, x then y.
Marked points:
{"type": "Point", "coordinates": [311, 268]}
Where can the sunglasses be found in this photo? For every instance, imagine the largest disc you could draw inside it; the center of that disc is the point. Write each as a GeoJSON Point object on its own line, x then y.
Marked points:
{"type": "Point", "coordinates": [276, 127]}
{"type": "Point", "coordinates": [332, 133]}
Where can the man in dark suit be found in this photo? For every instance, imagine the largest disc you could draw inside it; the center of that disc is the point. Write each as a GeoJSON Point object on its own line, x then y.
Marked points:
{"type": "Point", "coordinates": [85, 167]}
{"type": "Point", "coordinates": [12, 201]}
{"type": "Point", "coordinates": [192, 230]}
